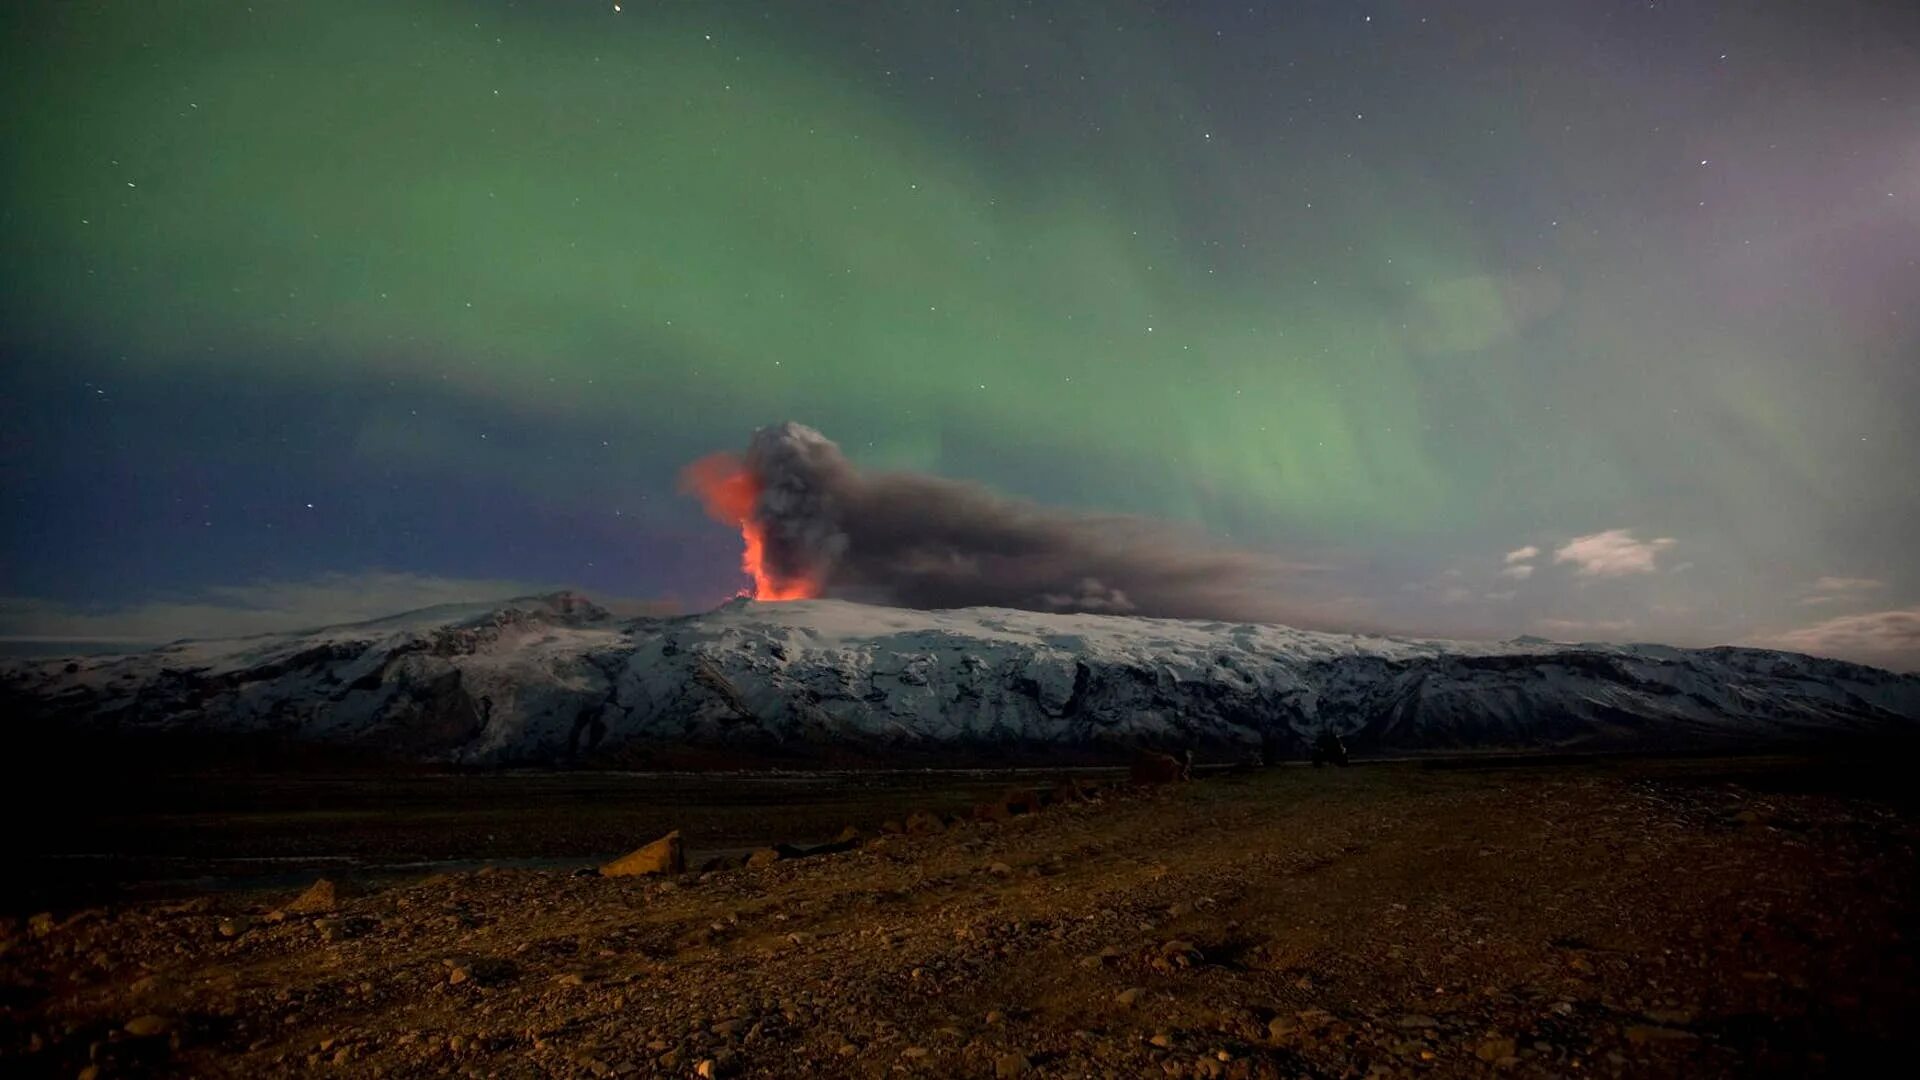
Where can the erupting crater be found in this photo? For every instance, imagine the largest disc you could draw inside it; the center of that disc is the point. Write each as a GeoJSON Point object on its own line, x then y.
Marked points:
{"type": "Point", "coordinates": [731, 495]}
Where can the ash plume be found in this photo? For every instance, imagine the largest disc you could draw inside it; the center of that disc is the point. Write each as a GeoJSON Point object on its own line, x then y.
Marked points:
{"type": "Point", "coordinates": [815, 525]}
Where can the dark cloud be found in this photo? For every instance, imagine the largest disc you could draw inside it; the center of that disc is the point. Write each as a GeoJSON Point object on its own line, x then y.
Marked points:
{"type": "Point", "coordinates": [926, 541]}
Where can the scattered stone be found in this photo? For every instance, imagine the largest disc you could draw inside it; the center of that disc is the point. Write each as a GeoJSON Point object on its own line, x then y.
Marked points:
{"type": "Point", "coordinates": [667, 855]}
{"type": "Point", "coordinates": [1418, 1020]}
{"type": "Point", "coordinates": [1495, 1049]}
{"type": "Point", "coordinates": [235, 926]}
{"type": "Point", "coordinates": [765, 856]}
{"type": "Point", "coordinates": [150, 986]}
{"type": "Point", "coordinates": [148, 1026]}
{"type": "Point", "coordinates": [1007, 1065]}
{"type": "Point", "coordinates": [1000, 869]}
{"type": "Point", "coordinates": [1130, 995]}
{"type": "Point", "coordinates": [1179, 954]}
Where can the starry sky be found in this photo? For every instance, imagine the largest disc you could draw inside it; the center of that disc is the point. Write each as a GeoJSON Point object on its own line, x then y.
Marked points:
{"type": "Point", "coordinates": [1590, 320]}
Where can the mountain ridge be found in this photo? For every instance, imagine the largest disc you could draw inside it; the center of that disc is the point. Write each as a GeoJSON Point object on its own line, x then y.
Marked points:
{"type": "Point", "coordinates": [556, 678]}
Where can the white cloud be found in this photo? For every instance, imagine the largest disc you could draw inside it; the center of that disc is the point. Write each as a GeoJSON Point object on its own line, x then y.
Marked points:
{"type": "Point", "coordinates": [1833, 590]}
{"type": "Point", "coordinates": [1886, 638]}
{"type": "Point", "coordinates": [256, 608]}
{"type": "Point", "coordinates": [1612, 553]}
{"type": "Point", "coordinates": [1846, 584]}
{"type": "Point", "coordinates": [1518, 555]}
{"type": "Point", "coordinates": [1518, 571]}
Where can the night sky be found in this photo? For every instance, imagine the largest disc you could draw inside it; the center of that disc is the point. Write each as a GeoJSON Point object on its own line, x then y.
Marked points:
{"type": "Point", "coordinates": [1584, 319]}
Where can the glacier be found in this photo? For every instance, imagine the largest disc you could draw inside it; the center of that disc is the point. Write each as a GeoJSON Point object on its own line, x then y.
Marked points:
{"type": "Point", "coordinates": [557, 679]}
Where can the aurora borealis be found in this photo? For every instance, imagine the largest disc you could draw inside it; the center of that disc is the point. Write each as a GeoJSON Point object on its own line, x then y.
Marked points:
{"type": "Point", "coordinates": [335, 292]}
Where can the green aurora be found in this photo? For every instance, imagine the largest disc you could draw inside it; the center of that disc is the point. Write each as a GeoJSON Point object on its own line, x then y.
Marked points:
{"type": "Point", "coordinates": [507, 204]}
{"type": "Point", "coordinates": [1348, 313]}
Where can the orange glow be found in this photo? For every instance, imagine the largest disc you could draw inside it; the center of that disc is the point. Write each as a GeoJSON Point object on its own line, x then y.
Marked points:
{"type": "Point", "coordinates": [728, 492]}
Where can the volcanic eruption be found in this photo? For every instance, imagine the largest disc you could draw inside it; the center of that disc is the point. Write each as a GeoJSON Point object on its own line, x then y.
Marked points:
{"type": "Point", "coordinates": [814, 525]}
{"type": "Point", "coordinates": [731, 494]}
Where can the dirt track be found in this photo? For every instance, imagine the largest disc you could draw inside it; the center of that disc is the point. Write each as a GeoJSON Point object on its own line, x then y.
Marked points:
{"type": "Point", "coordinates": [1691, 918]}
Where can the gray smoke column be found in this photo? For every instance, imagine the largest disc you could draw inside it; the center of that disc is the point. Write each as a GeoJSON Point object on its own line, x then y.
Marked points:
{"type": "Point", "coordinates": [924, 541]}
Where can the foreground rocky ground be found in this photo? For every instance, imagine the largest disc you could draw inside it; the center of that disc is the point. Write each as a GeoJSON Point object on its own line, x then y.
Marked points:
{"type": "Point", "coordinates": [1658, 918]}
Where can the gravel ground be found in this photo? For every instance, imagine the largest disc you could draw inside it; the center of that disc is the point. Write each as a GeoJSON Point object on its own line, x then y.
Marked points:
{"type": "Point", "coordinates": [1656, 918]}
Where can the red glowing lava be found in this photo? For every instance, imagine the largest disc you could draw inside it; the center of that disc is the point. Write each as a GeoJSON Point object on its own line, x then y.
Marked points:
{"type": "Point", "coordinates": [728, 492]}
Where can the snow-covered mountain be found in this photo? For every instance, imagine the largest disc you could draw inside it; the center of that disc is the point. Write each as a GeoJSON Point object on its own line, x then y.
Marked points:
{"type": "Point", "coordinates": [554, 678]}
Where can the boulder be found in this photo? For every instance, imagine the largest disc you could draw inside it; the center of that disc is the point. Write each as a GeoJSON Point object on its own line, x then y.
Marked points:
{"type": "Point", "coordinates": [667, 855]}
{"type": "Point", "coordinates": [765, 856]}
{"type": "Point", "coordinates": [322, 896]}
{"type": "Point", "coordinates": [923, 823]}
